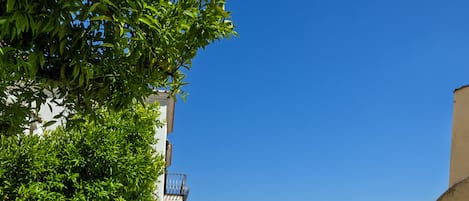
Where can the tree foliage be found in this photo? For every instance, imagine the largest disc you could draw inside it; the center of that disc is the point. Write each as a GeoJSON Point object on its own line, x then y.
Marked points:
{"type": "Point", "coordinates": [109, 161]}
{"type": "Point", "coordinates": [84, 54]}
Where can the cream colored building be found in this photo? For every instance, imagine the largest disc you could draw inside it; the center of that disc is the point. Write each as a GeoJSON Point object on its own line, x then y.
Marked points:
{"type": "Point", "coordinates": [458, 189]}
{"type": "Point", "coordinates": [171, 186]}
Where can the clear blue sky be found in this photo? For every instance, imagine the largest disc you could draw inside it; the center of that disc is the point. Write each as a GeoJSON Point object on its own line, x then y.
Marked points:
{"type": "Point", "coordinates": [331, 100]}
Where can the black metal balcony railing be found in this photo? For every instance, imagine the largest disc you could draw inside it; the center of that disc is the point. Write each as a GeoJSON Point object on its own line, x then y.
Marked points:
{"type": "Point", "coordinates": [176, 185]}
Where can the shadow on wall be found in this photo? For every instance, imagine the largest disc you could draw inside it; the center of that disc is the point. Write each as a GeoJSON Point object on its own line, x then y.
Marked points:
{"type": "Point", "coordinates": [457, 192]}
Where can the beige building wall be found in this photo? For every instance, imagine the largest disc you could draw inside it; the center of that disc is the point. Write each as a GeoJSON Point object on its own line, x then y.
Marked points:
{"type": "Point", "coordinates": [459, 165]}
{"type": "Point", "coordinates": [457, 192]}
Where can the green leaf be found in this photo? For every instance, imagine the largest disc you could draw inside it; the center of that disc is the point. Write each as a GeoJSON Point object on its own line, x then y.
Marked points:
{"type": "Point", "coordinates": [100, 17]}
{"type": "Point", "coordinates": [190, 13]}
{"type": "Point", "coordinates": [81, 79]}
{"type": "Point", "coordinates": [93, 7]}
{"type": "Point", "coordinates": [110, 3]}
{"type": "Point", "coordinates": [10, 5]}
{"type": "Point", "coordinates": [50, 107]}
{"type": "Point", "coordinates": [62, 46]}
{"type": "Point", "coordinates": [107, 45]}
{"type": "Point", "coordinates": [21, 23]}
{"type": "Point", "coordinates": [49, 123]}
{"type": "Point", "coordinates": [147, 22]}
{"type": "Point", "coordinates": [58, 115]}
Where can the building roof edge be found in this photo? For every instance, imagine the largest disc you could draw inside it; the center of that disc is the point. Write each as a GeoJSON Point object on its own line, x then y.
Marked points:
{"type": "Point", "coordinates": [462, 87]}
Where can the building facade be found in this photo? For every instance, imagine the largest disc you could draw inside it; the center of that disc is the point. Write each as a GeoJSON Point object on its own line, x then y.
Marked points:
{"type": "Point", "coordinates": [459, 164]}
{"type": "Point", "coordinates": [171, 186]}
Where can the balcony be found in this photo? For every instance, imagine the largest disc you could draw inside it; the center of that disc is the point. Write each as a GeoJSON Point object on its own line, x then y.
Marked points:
{"type": "Point", "coordinates": [175, 188]}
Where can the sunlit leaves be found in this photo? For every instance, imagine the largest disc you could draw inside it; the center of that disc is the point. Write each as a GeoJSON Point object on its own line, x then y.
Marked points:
{"type": "Point", "coordinates": [105, 53]}
{"type": "Point", "coordinates": [109, 161]}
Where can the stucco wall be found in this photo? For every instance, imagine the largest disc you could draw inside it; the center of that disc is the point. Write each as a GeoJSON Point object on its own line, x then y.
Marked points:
{"type": "Point", "coordinates": [160, 147]}
{"type": "Point", "coordinates": [459, 165]}
{"type": "Point", "coordinates": [458, 192]}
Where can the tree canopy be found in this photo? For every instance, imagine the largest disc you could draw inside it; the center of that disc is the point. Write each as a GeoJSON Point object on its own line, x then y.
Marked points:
{"type": "Point", "coordinates": [110, 161]}
{"type": "Point", "coordinates": [84, 54]}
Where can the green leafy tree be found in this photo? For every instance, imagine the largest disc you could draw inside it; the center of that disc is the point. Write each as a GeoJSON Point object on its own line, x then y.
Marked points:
{"type": "Point", "coordinates": [113, 160]}
{"type": "Point", "coordinates": [85, 54]}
